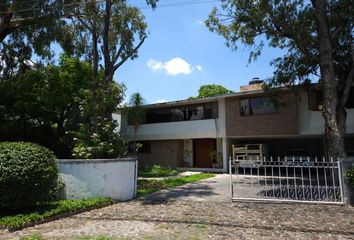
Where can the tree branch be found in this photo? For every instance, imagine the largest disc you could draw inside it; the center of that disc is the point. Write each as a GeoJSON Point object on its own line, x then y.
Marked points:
{"type": "Point", "coordinates": [120, 50]}
{"type": "Point", "coordinates": [129, 55]}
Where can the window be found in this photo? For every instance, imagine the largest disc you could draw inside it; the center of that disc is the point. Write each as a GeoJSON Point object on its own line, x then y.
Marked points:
{"type": "Point", "coordinates": [256, 106]}
{"type": "Point", "coordinates": [181, 113]}
{"type": "Point", "coordinates": [195, 112]}
{"type": "Point", "coordinates": [178, 114]}
{"type": "Point", "coordinates": [211, 110]}
{"type": "Point", "coordinates": [315, 99]}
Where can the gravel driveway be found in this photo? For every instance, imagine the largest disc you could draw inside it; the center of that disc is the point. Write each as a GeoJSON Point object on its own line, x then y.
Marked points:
{"type": "Point", "coordinates": [206, 214]}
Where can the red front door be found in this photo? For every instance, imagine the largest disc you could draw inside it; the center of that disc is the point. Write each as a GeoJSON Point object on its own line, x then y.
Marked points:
{"type": "Point", "coordinates": [202, 149]}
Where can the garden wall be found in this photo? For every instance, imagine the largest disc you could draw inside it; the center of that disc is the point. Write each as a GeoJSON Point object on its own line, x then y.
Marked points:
{"type": "Point", "coordinates": [85, 178]}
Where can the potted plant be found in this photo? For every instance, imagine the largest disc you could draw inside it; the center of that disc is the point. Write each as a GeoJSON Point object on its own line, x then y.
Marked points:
{"type": "Point", "coordinates": [216, 157]}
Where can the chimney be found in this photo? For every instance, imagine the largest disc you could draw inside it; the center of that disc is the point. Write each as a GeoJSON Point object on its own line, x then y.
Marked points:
{"type": "Point", "coordinates": [253, 85]}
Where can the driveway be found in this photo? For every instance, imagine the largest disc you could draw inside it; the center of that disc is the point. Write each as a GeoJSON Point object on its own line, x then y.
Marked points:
{"type": "Point", "coordinates": [209, 190]}
{"type": "Point", "coordinates": [200, 211]}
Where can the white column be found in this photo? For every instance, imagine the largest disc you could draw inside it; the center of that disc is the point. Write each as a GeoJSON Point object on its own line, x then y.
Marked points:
{"type": "Point", "coordinates": [225, 153]}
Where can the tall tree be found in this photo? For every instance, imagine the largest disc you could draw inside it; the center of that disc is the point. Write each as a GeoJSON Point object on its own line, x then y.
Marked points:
{"type": "Point", "coordinates": [29, 27]}
{"type": "Point", "coordinates": [113, 31]}
{"type": "Point", "coordinates": [318, 37]}
{"type": "Point", "coordinates": [136, 113]}
{"type": "Point", "coordinates": [43, 104]}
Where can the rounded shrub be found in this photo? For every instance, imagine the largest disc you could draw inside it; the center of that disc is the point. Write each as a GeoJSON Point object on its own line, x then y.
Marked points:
{"type": "Point", "coordinates": [28, 174]}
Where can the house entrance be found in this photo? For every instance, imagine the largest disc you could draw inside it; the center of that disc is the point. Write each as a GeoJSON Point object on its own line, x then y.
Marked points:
{"type": "Point", "coordinates": [202, 149]}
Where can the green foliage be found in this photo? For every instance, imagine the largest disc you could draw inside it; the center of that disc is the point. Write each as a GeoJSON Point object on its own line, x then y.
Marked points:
{"type": "Point", "coordinates": [146, 187]}
{"type": "Point", "coordinates": [349, 175]}
{"type": "Point", "coordinates": [106, 144]}
{"type": "Point", "coordinates": [28, 174]}
{"type": "Point", "coordinates": [157, 171]}
{"type": "Point", "coordinates": [136, 115]}
{"type": "Point", "coordinates": [288, 25]}
{"type": "Point", "coordinates": [136, 110]}
{"type": "Point", "coordinates": [216, 157]}
{"type": "Point", "coordinates": [211, 90]}
{"type": "Point", "coordinates": [25, 33]}
{"type": "Point", "coordinates": [101, 140]}
{"type": "Point", "coordinates": [99, 238]}
{"type": "Point", "coordinates": [52, 105]}
{"type": "Point", "coordinates": [43, 105]}
{"type": "Point", "coordinates": [47, 210]}
{"type": "Point", "coordinates": [33, 237]}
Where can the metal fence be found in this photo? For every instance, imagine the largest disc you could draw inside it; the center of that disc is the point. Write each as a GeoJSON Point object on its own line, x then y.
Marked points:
{"type": "Point", "coordinates": [300, 179]}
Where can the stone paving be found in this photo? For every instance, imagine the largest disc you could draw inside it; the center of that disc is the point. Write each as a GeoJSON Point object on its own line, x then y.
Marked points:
{"type": "Point", "coordinates": [194, 218]}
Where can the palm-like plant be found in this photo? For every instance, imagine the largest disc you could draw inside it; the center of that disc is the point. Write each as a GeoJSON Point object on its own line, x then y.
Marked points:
{"type": "Point", "coordinates": [136, 113]}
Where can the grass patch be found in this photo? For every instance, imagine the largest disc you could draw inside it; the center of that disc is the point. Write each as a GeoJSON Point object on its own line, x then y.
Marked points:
{"type": "Point", "coordinates": [146, 186]}
{"type": "Point", "coordinates": [157, 171]}
{"type": "Point", "coordinates": [33, 237]}
{"type": "Point", "coordinates": [17, 220]}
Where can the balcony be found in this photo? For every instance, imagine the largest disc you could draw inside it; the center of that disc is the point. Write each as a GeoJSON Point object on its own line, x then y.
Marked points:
{"type": "Point", "coordinates": [174, 130]}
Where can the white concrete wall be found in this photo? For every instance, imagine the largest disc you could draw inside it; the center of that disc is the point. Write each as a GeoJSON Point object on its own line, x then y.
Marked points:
{"type": "Point", "coordinates": [221, 120]}
{"type": "Point", "coordinates": [114, 178]}
{"type": "Point", "coordinates": [174, 130]}
{"type": "Point", "coordinates": [312, 122]}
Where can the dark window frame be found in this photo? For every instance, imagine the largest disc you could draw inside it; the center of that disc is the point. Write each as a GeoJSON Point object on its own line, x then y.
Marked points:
{"type": "Point", "coordinates": [251, 113]}
{"type": "Point", "coordinates": [151, 117]}
{"type": "Point", "coordinates": [318, 98]}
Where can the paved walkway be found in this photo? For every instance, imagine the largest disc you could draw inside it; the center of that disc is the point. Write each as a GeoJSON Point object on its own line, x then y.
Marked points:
{"type": "Point", "coordinates": [211, 190]}
{"type": "Point", "coordinates": [190, 213]}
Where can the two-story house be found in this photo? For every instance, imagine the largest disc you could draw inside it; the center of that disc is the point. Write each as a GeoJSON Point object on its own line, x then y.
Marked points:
{"type": "Point", "coordinates": [202, 134]}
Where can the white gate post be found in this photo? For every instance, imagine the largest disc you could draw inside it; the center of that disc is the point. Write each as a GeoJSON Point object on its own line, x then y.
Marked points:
{"type": "Point", "coordinates": [230, 170]}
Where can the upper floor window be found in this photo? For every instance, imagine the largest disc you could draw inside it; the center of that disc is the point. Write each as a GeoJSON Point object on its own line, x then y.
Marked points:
{"type": "Point", "coordinates": [256, 106]}
{"type": "Point", "coordinates": [181, 113]}
{"type": "Point", "coordinates": [315, 99]}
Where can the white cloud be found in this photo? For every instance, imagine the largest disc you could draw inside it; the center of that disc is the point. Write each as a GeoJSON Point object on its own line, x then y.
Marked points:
{"type": "Point", "coordinates": [199, 22]}
{"type": "Point", "coordinates": [161, 101]}
{"type": "Point", "coordinates": [154, 65]}
{"type": "Point", "coordinates": [174, 67]}
{"type": "Point", "coordinates": [199, 67]}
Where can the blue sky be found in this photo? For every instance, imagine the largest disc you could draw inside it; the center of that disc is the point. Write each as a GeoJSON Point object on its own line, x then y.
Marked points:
{"type": "Point", "coordinates": [178, 36]}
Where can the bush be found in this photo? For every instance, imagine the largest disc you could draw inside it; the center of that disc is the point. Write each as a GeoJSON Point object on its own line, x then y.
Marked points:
{"type": "Point", "coordinates": [157, 171]}
{"type": "Point", "coordinates": [106, 144]}
{"type": "Point", "coordinates": [349, 175]}
{"type": "Point", "coordinates": [28, 175]}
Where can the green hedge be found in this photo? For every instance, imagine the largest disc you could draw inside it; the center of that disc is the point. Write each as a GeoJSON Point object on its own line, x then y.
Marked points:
{"type": "Point", "coordinates": [45, 211]}
{"type": "Point", "coordinates": [28, 175]}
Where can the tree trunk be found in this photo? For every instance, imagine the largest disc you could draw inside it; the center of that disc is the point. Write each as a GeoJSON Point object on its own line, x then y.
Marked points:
{"type": "Point", "coordinates": [95, 76]}
{"type": "Point", "coordinates": [333, 113]}
{"type": "Point", "coordinates": [106, 52]}
{"type": "Point", "coordinates": [134, 147]}
{"type": "Point", "coordinates": [5, 26]}
{"type": "Point", "coordinates": [108, 65]}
